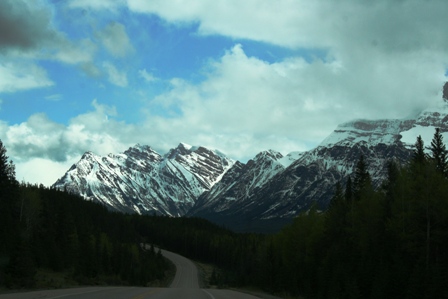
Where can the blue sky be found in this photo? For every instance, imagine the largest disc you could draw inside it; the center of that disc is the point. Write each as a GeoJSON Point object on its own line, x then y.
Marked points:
{"type": "Point", "coordinates": [238, 76]}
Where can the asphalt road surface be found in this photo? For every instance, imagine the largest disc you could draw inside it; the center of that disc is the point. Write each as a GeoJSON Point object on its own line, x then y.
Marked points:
{"type": "Point", "coordinates": [185, 285]}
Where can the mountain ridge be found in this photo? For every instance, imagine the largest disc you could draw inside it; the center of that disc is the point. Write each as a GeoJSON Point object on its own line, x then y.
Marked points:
{"type": "Point", "coordinates": [197, 181]}
{"type": "Point", "coordinates": [143, 181]}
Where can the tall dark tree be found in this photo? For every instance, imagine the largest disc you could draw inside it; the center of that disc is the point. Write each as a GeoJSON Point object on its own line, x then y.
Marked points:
{"type": "Point", "coordinates": [338, 196]}
{"type": "Point", "coordinates": [348, 190]}
{"type": "Point", "coordinates": [362, 179]}
{"type": "Point", "coordinates": [438, 151]}
{"type": "Point", "coordinates": [8, 197]}
{"type": "Point", "coordinates": [419, 156]}
{"type": "Point", "coordinates": [7, 170]}
{"type": "Point", "coordinates": [390, 186]}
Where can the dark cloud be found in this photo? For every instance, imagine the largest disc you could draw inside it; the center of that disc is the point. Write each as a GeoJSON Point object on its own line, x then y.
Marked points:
{"type": "Point", "coordinates": [445, 92]}
{"type": "Point", "coordinates": [24, 25]}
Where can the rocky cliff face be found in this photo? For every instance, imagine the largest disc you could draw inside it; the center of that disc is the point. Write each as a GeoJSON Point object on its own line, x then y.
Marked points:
{"type": "Point", "coordinates": [240, 182]}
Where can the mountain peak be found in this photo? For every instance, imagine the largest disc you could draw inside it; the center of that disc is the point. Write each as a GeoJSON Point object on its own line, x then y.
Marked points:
{"type": "Point", "coordinates": [181, 149]}
{"type": "Point", "coordinates": [269, 154]}
{"type": "Point", "coordinates": [185, 146]}
{"type": "Point", "coordinates": [88, 155]}
{"type": "Point", "coordinates": [142, 147]}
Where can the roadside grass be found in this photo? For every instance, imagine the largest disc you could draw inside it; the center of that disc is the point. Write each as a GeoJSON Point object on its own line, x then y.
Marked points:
{"type": "Point", "coordinates": [205, 272]}
{"type": "Point", "coordinates": [169, 277]}
{"type": "Point", "coordinates": [48, 279]}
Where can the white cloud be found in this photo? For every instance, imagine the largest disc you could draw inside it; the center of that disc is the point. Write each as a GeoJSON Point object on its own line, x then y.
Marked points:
{"type": "Point", "coordinates": [15, 77]}
{"type": "Point", "coordinates": [320, 23]}
{"type": "Point", "coordinates": [386, 59]}
{"type": "Point", "coordinates": [148, 77]}
{"type": "Point", "coordinates": [54, 97]}
{"type": "Point", "coordinates": [71, 52]}
{"type": "Point", "coordinates": [115, 77]}
{"type": "Point", "coordinates": [115, 40]}
{"type": "Point", "coordinates": [54, 147]}
{"type": "Point", "coordinates": [42, 171]}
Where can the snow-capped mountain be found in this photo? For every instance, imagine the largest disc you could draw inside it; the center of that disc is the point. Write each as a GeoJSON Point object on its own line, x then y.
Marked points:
{"type": "Point", "coordinates": [197, 181]}
{"type": "Point", "coordinates": [240, 182]}
{"type": "Point", "coordinates": [141, 180]}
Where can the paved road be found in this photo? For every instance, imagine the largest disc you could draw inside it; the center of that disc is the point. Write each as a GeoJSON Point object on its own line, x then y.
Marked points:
{"type": "Point", "coordinates": [184, 286]}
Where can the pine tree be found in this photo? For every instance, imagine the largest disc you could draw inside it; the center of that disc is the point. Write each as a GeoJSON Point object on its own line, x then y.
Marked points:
{"type": "Point", "coordinates": [348, 190]}
{"type": "Point", "coordinates": [419, 156]}
{"type": "Point", "coordinates": [7, 169]}
{"type": "Point", "coordinates": [362, 178]}
{"type": "Point", "coordinates": [8, 182]}
{"type": "Point", "coordinates": [338, 196]}
{"type": "Point", "coordinates": [390, 186]}
{"type": "Point", "coordinates": [438, 150]}
{"type": "Point", "coordinates": [9, 189]}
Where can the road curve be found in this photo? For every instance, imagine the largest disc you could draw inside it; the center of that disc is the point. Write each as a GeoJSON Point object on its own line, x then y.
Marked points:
{"type": "Point", "coordinates": [186, 271]}
{"type": "Point", "coordinates": [185, 285]}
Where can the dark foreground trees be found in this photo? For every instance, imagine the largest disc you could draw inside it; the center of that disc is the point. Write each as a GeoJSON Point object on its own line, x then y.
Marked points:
{"type": "Point", "coordinates": [43, 229]}
{"type": "Point", "coordinates": [388, 243]}
{"type": "Point", "coordinates": [87, 244]}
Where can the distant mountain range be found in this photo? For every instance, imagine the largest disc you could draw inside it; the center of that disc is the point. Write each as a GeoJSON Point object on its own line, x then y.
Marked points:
{"type": "Point", "coordinates": [260, 195]}
{"type": "Point", "coordinates": [142, 181]}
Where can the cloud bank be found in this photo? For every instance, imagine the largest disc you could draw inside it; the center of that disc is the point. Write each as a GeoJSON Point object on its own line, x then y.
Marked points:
{"type": "Point", "coordinates": [381, 59]}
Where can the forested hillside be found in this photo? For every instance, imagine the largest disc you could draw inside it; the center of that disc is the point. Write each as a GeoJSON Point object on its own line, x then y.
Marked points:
{"type": "Point", "coordinates": [45, 231]}
{"type": "Point", "coordinates": [384, 243]}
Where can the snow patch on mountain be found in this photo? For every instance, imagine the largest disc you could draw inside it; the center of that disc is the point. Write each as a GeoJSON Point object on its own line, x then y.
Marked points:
{"type": "Point", "coordinates": [425, 125]}
{"type": "Point", "coordinates": [290, 158]}
{"type": "Point", "coordinates": [370, 132]}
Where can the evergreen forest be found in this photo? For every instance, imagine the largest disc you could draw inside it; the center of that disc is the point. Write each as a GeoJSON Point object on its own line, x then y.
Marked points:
{"type": "Point", "coordinates": [387, 242]}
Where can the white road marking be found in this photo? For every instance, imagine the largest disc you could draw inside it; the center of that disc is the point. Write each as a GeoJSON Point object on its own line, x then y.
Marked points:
{"type": "Point", "coordinates": [211, 296]}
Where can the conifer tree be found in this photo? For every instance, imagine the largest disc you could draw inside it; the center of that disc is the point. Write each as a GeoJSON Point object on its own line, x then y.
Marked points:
{"type": "Point", "coordinates": [419, 156]}
{"type": "Point", "coordinates": [390, 185]}
{"type": "Point", "coordinates": [338, 196]}
{"type": "Point", "coordinates": [438, 150]}
{"type": "Point", "coordinates": [348, 190]}
{"type": "Point", "coordinates": [7, 170]}
{"type": "Point", "coordinates": [362, 178]}
{"type": "Point", "coordinates": [8, 196]}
